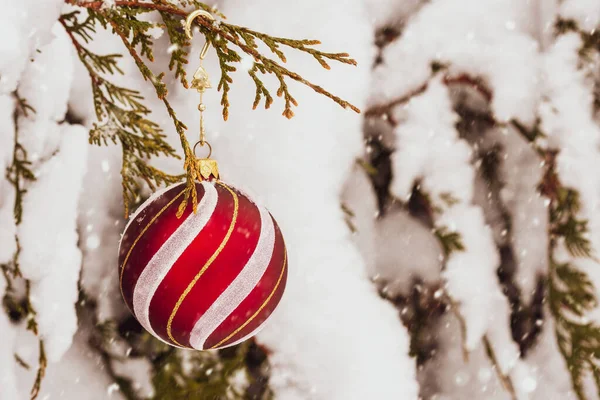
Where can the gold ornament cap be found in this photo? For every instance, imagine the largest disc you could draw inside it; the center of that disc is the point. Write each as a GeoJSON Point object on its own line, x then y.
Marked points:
{"type": "Point", "coordinates": [208, 168]}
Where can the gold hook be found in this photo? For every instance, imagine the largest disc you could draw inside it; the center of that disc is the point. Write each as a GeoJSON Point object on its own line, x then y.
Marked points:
{"type": "Point", "coordinates": [188, 28]}
{"type": "Point", "coordinates": [200, 81]}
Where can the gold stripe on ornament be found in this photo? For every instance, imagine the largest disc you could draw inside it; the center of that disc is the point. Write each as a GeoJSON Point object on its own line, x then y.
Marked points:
{"type": "Point", "coordinates": [162, 210]}
{"type": "Point", "coordinates": [264, 304]}
{"type": "Point", "coordinates": [208, 263]}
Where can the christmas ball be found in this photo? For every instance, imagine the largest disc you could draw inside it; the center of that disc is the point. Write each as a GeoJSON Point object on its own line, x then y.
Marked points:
{"type": "Point", "coordinates": [205, 280]}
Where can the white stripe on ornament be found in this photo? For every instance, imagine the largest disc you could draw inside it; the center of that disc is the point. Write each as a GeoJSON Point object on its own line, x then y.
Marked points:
{"type": "Point", "coordinates": [256, 331]}
{"type": "Point", "coordinates": [146, 203]}
{"type": "Point", "coordinates": [241, 286]}
{"type": "Point", "coordinates": [161, 263]}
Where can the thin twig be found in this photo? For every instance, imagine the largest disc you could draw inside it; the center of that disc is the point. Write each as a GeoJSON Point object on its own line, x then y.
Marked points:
{"type": "Point", "coordinates": [464, 79]}
{"type": "Point", "coordinates": [504, 379]}
{"type": "Point", "coordinates": [41, 372]}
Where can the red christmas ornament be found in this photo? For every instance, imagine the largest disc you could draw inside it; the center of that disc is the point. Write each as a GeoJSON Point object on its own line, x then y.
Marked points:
{"type": "Point", "coordinates": [205, 280]}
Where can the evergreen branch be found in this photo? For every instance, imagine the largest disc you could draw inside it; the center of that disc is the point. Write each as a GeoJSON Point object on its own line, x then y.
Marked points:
{"type": "Point", "coordinates": [41, 372]}
{"type": "Point", "coordinates": [303, 45]}
{"type": "Point", "coordinates": [226, 57]}
{"type": "Point", "coordinates": [225, 31]}
{"type": "Point", "coordinates": [190, 164]}
{"type": "Point", "coordinates": [261, 91]}
{"type": "Point", "coordinates": [367, 166]}
{"type": "Point", "coordinates": [179, 44]}
{"type": "Point", "coordinates": [450, 241]}
{"type": "Point", "coordinates": [221, 35]}
{"type": "Point", "coordinates": [348, 217]}
{"type": "Point", "coordinates": [122, 117]}
{"type": "Point", "coordinates": [571, 293]}
{"type": "Point", "coordinates": [19, 173]}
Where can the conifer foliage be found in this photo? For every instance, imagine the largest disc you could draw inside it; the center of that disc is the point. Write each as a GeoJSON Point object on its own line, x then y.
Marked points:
{"type": "Point", "coordinates": [121, 114]}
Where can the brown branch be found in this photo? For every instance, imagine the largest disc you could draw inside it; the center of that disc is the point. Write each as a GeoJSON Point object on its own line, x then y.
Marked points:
{"type": "Point", "coordinates": [504, 379]}
{"type": "Point", "coordinates": [463, 79]}
{"type": "Point", "coordinates": [97, 5]}
{"type": "Point", "coordinates": [386, 108]}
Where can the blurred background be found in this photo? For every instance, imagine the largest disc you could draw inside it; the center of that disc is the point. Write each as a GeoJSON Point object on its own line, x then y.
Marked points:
{"type": "Point", "coordinates": [442, 244]}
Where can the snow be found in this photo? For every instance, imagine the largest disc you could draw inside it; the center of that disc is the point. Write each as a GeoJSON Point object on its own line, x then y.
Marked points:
{"type": "Point", "coordinates": [100, 226]}
{"type": "Point", "coordinates": [384, 13]}
{"type": "Point", "coordinates": [392, 243]}
{"type": "Point", "coordinates": [482, 40]}
{"type": "Point", "coordinates": [138, 371]}
{"type": "Point", "coordinates": [333, 336]}
{"type": "Point", "coordinates": [567, 117]}
{"type": "Point", "coordinates": [7, 365]}
{"type": "Point", "coordinates": [474, 378]}
{"type": "Point", "coordinates": [428, 148]}
{"type": "Point", "coordinates": [585, 12]}
{"type": "Point", "coordinates": [549, 367]}
{"type": "Point", "coordinates": [521, 172]}
{"type": "Point", "coordinates": [405, 245]}
{"type": "Point", "coordinates": [8, 228]}
{"type": "Point", "coordinates": [26, 26]}
{"type": "Point", "coordinates": [567, 120]}
{"type": "Point", "coordinates": [46, 209]}
{"type": "Point", "coordinates": [330, 306]}
{"type": "Point", "coordinates": [358, 196]}
{"type": "Point", "coordinates": [80, 374]}
{"type": "Point", "coordinates": [58, 153]}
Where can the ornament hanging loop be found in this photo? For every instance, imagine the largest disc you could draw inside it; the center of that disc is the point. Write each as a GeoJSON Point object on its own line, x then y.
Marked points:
{"type": "Point", "coordinates": [202, 145]}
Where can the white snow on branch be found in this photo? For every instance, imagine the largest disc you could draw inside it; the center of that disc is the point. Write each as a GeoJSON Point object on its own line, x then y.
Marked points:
{"type": "Point", "coordinates": [448, 375]}
{"type": "Point", "coordinates": [139, 371]}
{"type": "Point", "coordinates": [8, 228]}
{"type": "Point", "coordinates": [521, 172]}
{"type": "Point", "coordinates": [429, 149]}
{"type": "Point", "coordinates": [585, 12]}
{"type": "Point", "coordinates": [480, 38]}
{"type": "Point", "coordinates": [550, 368]}
{"type": "Point", "coordinates": [397, 248]}
{"type": "Point", "coordinates": [407, 251]}
{"type": "Point", "coordinates": [25, 27]}
{"type": "Point", "coordinates": [390, 12]}
{"type": "Point", "coordinates": [8, 381]}
{"type": "Point", "coordinates": [46, 85]}
{"type": "Point", "coordinates": [100, 226]}
{"type": "Point", "coordinates": [8, 247]}
{"type": "Point", "coordinates": [567, 119]}
{"type": "Point", "coordinates": [50, 258]}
